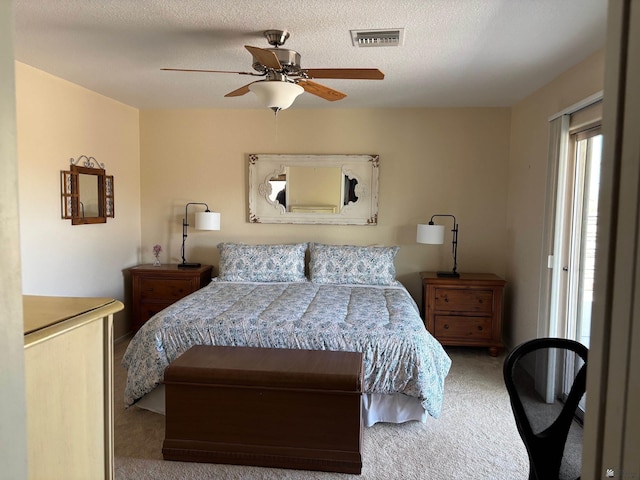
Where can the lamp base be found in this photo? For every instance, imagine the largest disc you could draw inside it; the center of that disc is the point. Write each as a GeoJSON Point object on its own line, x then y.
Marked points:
{"type": "Point", "coordinates": [448, 274]}
{"type": "Point", "coordinates": [189, 265]}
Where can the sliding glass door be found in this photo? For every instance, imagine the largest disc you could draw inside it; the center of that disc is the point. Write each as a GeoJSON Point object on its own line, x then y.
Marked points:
{"type": "Point", "coordinates": [584, 163]}
{"type": "Point", "coordinates": [582, 239]}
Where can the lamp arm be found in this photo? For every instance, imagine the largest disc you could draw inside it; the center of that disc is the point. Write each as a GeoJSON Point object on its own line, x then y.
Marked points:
{"type": "Point", "coordinates": [185, 225]}
{"type": "Point", "coordinates": [454, 246]}
{"type": "Point", "coordinates": [442, 215]}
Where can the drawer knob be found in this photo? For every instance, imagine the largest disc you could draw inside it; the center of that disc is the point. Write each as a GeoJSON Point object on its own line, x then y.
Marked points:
{"type": "Point", "coordinates": [479, 328]}
{"type": "Point", "coordinates": [446, 326]}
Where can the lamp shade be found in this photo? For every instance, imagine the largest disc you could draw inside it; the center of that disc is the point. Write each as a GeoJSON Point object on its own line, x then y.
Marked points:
{"type": "Point", "coordinates": [207, 220]}
{"type": "Point", "coordinates": [276, 95]}
{"type": "Point", "coordinates": [433, 234]}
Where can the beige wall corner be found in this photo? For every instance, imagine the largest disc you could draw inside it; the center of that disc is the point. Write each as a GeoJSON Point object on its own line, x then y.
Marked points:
{"type": "Point", "coordinates": [58, 120]}
{"type": "Point", "coordinates": [527, 181]}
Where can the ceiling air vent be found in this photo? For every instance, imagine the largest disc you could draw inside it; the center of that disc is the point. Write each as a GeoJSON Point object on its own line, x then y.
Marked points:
{"type": "Point", "coordinates": [378, 38]}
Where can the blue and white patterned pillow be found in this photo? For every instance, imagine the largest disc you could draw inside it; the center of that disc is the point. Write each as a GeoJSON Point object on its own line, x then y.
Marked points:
{"type": "Point", "coordinates": [351, 264]}
{"type": "Point", "coordinates": [262, 263]}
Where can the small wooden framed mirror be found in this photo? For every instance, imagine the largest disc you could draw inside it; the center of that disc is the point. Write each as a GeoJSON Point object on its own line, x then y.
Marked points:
{"type": "Point", "coordinates": [87, 192]}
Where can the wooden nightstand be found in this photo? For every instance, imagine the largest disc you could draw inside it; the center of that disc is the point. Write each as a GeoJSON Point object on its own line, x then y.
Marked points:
{"type": "Point", "coordinates": [155, 288]}
{"type": "Point", "coordinates": [464, 311]}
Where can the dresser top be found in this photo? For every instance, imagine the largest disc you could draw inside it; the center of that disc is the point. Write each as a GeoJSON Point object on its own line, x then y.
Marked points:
{"type": "Point", "coordinates": [432, 277]}
{"type": "Point", "coordinates": [169, 267]}
{"type": "Point", "coordinates": [42, 311]}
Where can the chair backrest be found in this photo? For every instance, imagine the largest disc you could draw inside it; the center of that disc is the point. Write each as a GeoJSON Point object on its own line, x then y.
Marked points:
{"type": "Point", "coordinates": [537, 375]}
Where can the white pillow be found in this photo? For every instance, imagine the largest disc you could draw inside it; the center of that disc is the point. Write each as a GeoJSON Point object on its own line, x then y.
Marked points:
{"type": "Point", "coordinates": [351, 264]}
{"type": "Point", "coordinates": [262, 263]}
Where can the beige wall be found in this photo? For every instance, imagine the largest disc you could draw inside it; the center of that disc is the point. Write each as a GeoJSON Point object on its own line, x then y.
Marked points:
{"type": "Point", "coordinates": [431, 161]}
{"type": "Point", "coordinates": [58, 120]}
{"type": "Point", "coordinates": [527, 188]}
{"type": "Point", "coordinates": [487, 166]}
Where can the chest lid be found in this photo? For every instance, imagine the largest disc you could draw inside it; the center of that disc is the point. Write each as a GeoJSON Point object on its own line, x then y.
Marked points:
{"type": "Point", "coordinates": [268, 367]}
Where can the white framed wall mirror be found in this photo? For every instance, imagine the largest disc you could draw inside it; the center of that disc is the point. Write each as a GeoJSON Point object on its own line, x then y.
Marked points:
{"type": "Point", "coordinates": [313, 189]}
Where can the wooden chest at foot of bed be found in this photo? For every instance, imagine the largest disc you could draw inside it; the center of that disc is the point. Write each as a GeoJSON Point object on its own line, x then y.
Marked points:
{"type": "Point", "coordinates": [268, 407]}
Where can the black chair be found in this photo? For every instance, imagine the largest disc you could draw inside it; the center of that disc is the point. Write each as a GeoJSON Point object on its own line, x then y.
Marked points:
{"type": "Point", "coordinates": [546, 419]}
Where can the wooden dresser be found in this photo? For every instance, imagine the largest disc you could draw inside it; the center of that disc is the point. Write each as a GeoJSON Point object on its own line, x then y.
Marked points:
{"type": "Point", "coordinates": [464, 311]}
{"type": "Point", "coordinates": [68, 356]}
{"type": "Point", "coordinates": [155, 288]}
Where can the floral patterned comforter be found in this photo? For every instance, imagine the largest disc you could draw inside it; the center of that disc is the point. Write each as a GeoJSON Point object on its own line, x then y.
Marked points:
{"type": "Point", "coordinates": [381, 322]}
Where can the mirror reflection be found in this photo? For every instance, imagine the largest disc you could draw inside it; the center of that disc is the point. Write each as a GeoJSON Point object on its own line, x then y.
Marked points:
{"type": "Point", "coordinates": [88, 186]}
{"type": "Point", "coordinates": [313, 189]}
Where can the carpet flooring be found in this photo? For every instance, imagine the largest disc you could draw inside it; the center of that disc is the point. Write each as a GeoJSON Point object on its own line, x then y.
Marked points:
{"type": "Point", "coordinates": [475, 437]}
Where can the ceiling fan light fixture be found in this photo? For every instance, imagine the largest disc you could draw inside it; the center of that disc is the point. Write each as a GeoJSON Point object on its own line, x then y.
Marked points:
{"type": "Point", "coordinates": [276, 37]}
{"type": "Point", "coordinates": [276, 95]}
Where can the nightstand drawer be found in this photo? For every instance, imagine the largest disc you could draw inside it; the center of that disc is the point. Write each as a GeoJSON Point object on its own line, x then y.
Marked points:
{"type": "Point", "coordinates": [463, 300]}
{"type": "Point", "coordinates": [451, 326]}
{"type": "Point", "coordinates": [165, 289]}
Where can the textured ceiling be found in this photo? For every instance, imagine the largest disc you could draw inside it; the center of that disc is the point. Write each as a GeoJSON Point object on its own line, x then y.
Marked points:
{"type": "Point", "coordinates": [456, 52]}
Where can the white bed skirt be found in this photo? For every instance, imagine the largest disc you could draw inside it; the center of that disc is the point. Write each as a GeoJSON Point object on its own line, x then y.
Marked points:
{"type": "Point", "coordinates": [376, 407]}
{"type": "Point", "coordinates": [394, 408]}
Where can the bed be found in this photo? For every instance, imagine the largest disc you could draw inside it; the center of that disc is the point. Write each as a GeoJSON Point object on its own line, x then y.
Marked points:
{"type": "Point", "coordinates": [351, 301]}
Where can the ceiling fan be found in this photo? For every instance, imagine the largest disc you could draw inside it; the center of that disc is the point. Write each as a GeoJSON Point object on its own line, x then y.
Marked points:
{"type": "Point", "coordinates": [284, 78]}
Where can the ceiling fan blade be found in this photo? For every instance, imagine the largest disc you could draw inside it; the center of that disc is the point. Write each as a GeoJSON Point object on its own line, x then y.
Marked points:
{"type": "Point", "coordinates": [265, 57]}
{"type": "Point", "coordinates": [208, 71]}
{"type": "Point", "coordinates": [240, 91]}
{"type": "Point", "coordinates": [321, 91]}
{"type": "Point", "coordinates": [345, 73]}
